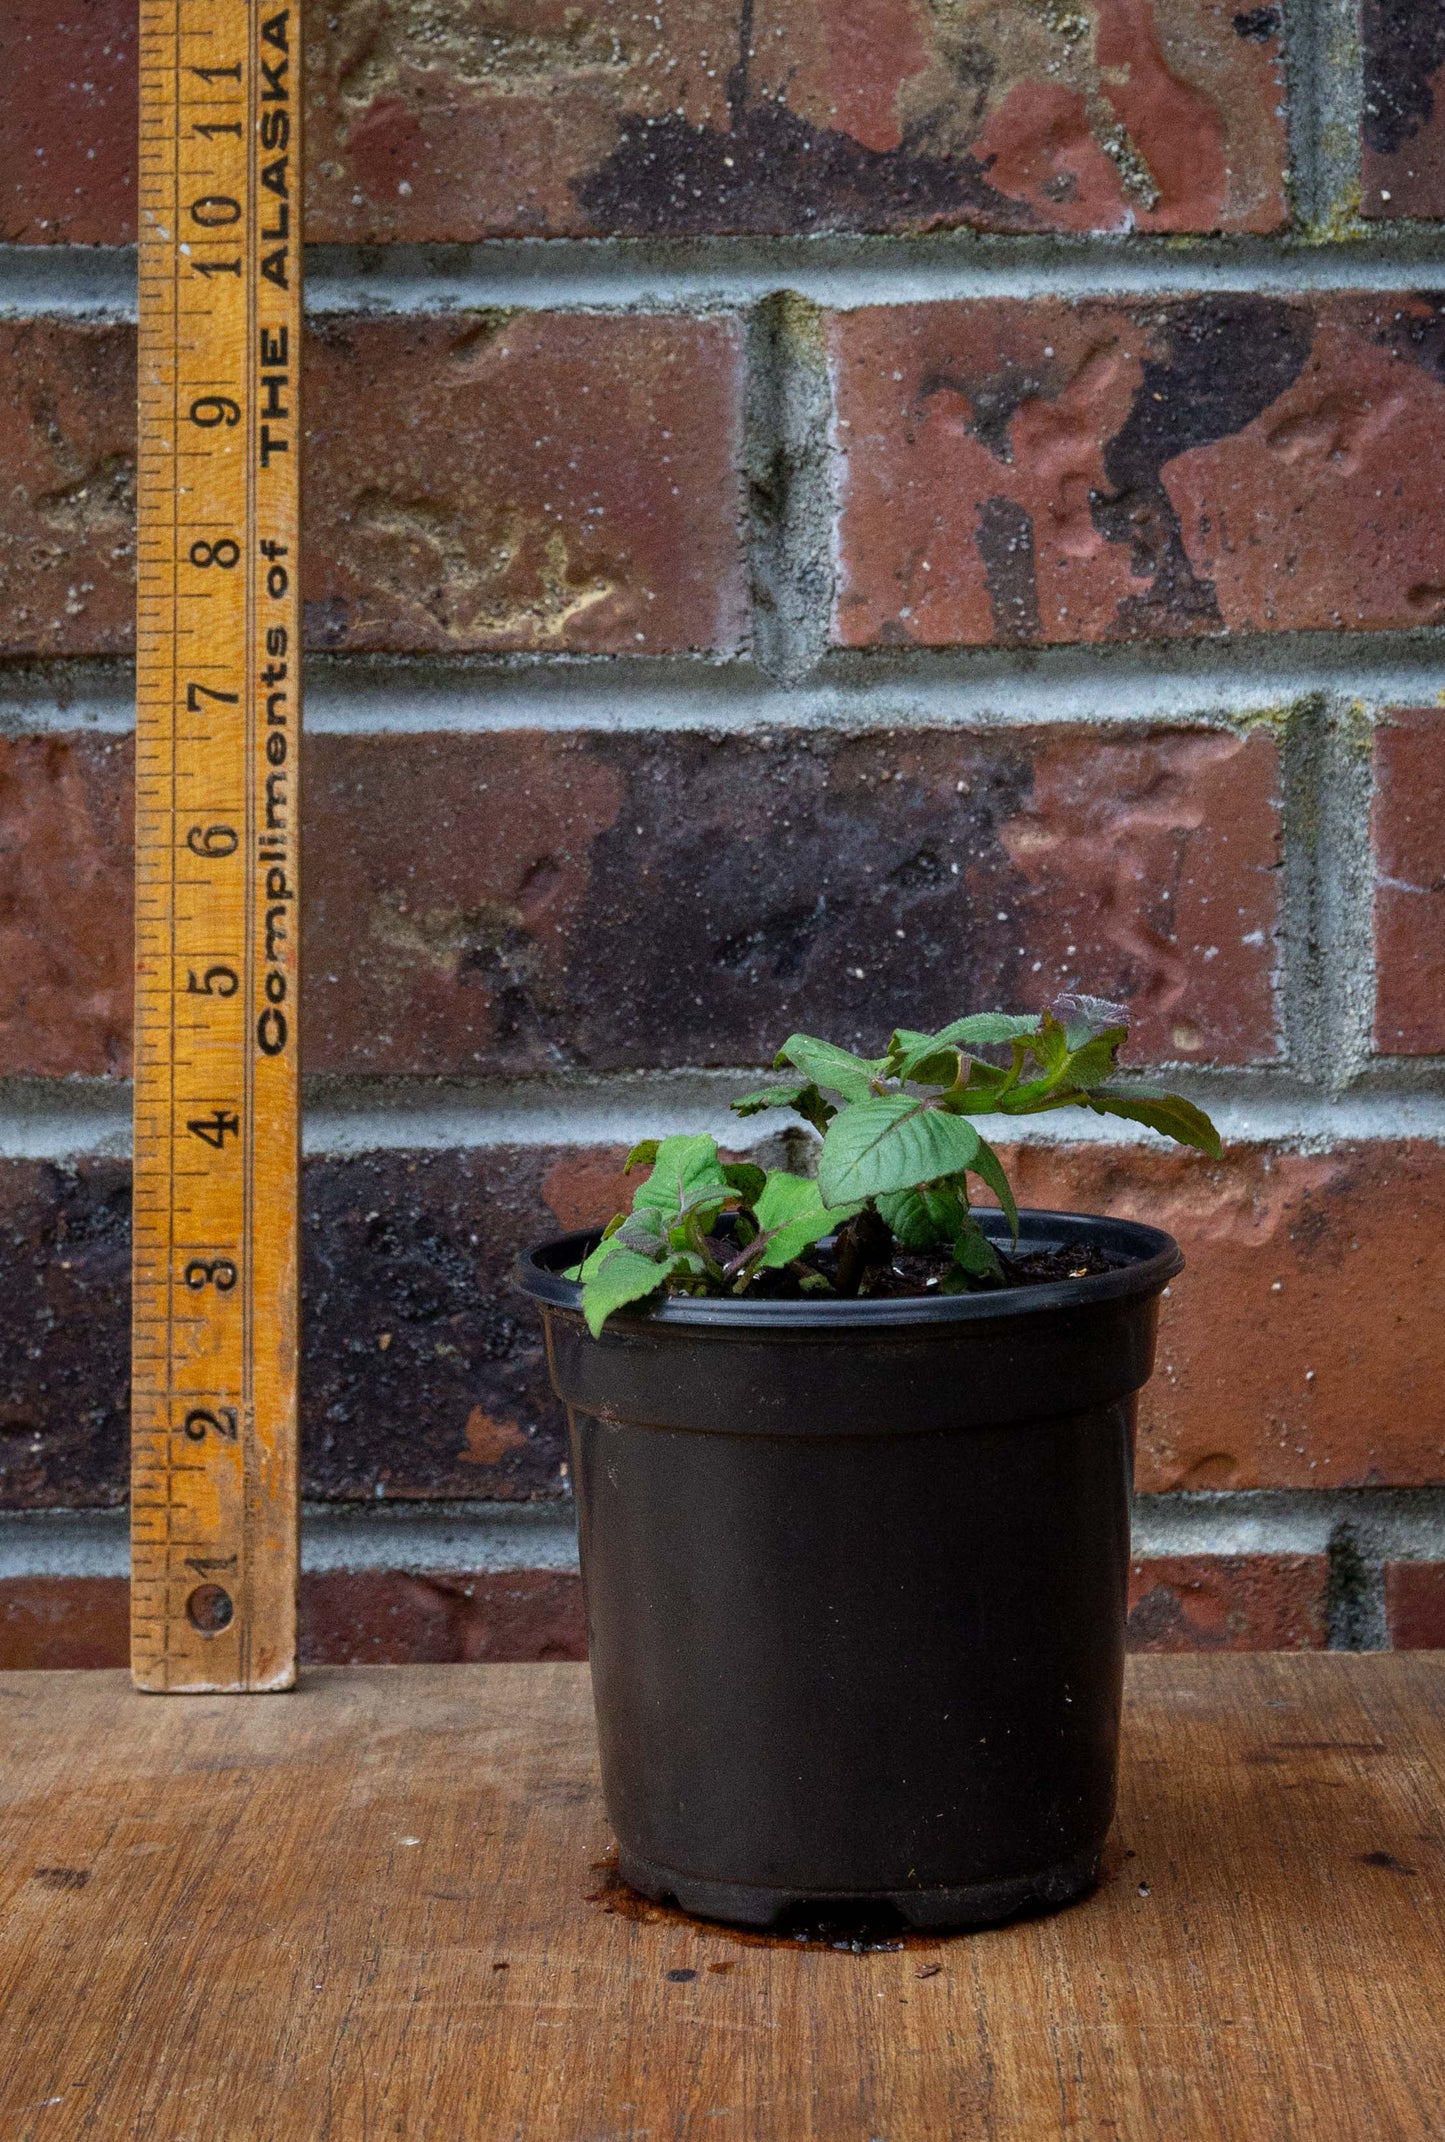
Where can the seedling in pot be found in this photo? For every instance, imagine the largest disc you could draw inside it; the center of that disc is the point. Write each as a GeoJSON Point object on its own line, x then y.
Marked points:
{"type": "Point", "coordinates": [899, 1148]}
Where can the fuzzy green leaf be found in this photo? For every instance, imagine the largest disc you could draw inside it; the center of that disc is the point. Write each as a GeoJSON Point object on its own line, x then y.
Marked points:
{"type": "Point", "coordinates": [983, 1028]}
{"type": "Point", "coordinates": [891, 1141]}
{"type": "Point", "coordinates": [746, 1178]}
{"type": "Point", "coordinates": [617, 1277]}
{"type": "Point", "coordinates": [1084, 1018]}
{"type": "Point", "coordinates": [1167, 1112]}
{"type": "Point", "coordinates": [975, 1254]}
{"type": "Point", "coordinates": [989, 1169]}
{"type": "Point", "coordinates": [641, 1156]}
{"type": "Point", "coordinates": [923, 1217]}
{"type": "Point", "coordinates": [807, 1100]}
{"type": "Point", "coordinates": [1094, 1062]}
{"type": "Point", "coordinates": [791, 1213]}
{"type": "Point", "coordinates": [683, 1167]}
{"type": "Point", "coordinates": [834, 1068]}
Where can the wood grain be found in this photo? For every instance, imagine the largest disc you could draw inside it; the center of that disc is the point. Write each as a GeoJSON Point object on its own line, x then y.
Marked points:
{"type": "Point", "coordinates": [372, 1909]}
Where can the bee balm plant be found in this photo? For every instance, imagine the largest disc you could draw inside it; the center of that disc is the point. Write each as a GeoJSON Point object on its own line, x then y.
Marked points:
{"type": "Point", "coordinates": [853, 1456]}
{"type": "Point", "coordinates": [900, 1153]}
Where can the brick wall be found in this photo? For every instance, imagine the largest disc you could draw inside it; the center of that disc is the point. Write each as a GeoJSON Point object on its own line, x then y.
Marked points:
{"type": "Point", "coordinates": [815, 514]}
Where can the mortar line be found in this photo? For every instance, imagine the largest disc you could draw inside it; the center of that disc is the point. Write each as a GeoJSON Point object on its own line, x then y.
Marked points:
{"type": "Point", "coordinates": [1384, 1524]}
{"type": "Point", "coordinates": [568, 274]}
{"type": "Point", "coordinates": [66, 1120]}
{"type": "Point", "coordinates": [1213, 682]}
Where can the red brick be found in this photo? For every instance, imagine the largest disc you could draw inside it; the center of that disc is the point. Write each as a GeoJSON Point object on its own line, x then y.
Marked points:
{"type": "Point", "coordinates": [380, 1617]}
{"type": "Point", "coordinates": [554, 483]}
{"type": "Point", "coordinates": [1415, 1605]}
{"type": "Point", "coordinates": [1229, 1602]}
{"type": "Point", "coordinates": [67, 506]}
{"type": "Point", "coordinates": [1408, 839]}
{"type": "Point", "coordinates": [1403, 149]}
{"type": "Point", "coordinates": [526, 119]}
{"type": "Point", "coordinates": [68, 147]}
{"type": "Point", "coordinates": [563, 483]}
{"type": "Point", "coordinates": [1036, 471]}
{"type": "Point", "coordinates": [397, 1618]}
{"type": "Point", "coordinates": [66, 969]}
{"type": "Point", "coordinates": [423, 1369]}
{"type": "Point", "coordinates": [841, 883]}
{"type": "Point", "coordinates": [424, 1372]}
{"type": "Point", "coordinates": [566, 880]}
{"type": "Point", "coordinates": [1301, 1347]}
{"type": "Point", "coordinates": [63, 1623]}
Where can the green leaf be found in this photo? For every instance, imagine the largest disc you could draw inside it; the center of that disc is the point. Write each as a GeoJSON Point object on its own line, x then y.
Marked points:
{"type": "Point", "coordinates": [644, 1231]}
{"type": "Point", "coordinates": [923, 1217]}
{"type": "Point", "coordinates": [616, 1278]}
{"type": "Point", "coordinates": [989, 1169]}
{"type": "Point", "coordinates": [1168, 1112]}
{"type": "Point", "coordinates": [683, 1167]}
{"type": "Point", "coordinates": [806, 1099]}
{"type": "Point", "coordinates": [746, 1178]}
{"type": "Point", "coordinates": [983, 1028]}
{"type": "Point", "coordinates": [1094, 1062]}
{"type": "Point", "coordinates": [834, 1068]}
{"type": "Point", "coordinates": [975, 1254]}
{"type": "Point", "coordinates": [792, 1215]}
{"type": "Point", "coordinates": [641, 1156]}
{"type": "Point", "coordinates": [891, 1141]}
{"type": "Point", "coordinates": [1084, 1018]}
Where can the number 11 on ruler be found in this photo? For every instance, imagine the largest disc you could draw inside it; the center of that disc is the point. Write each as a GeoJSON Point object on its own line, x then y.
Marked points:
{"type": "Point", "coordinates": [214, 1427]}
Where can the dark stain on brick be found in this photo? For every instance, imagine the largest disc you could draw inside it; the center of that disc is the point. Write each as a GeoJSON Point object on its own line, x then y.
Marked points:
{"type": "Point", "coordinates": [1417, 332]}
{"type": "Point", "coordinates": [994, 400]}
{"type": "Point", "coordinates": [772, 171]}
{"type": "Point", "coordinates": [1258, 24]}
{"type": "Point", "coordinates": [410, 1324]}
{"type": "Point", "coordinates": [64, 1360]}
{"type": "Point", "coordinates": [1223, 362]}
{"type": "Point", "coordinates": [1006, 546]}
{"type": "Point", "coordinates": [1404, 48]}
{"type": "Point", "coordinates": [807, 879]}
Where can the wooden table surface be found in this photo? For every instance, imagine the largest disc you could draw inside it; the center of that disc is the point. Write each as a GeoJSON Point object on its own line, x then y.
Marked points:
{"type": "Point", "coordinates": [373, 1908]}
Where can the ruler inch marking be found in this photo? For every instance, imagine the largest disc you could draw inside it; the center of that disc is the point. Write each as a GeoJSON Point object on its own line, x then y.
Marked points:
{"type": "Point", "coordinates": [214, 1349]}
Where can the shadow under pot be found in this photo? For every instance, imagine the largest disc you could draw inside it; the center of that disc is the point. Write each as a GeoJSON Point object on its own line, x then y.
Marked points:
{"type": "Point", "coordinates": [855, 1576]}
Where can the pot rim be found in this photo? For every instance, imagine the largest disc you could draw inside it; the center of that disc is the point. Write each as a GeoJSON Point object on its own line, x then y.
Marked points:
{"type": "Point", "coordinates": [1154, 1259]}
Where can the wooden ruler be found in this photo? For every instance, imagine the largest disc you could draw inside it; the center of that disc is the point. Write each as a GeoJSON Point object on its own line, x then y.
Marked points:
{"type": "Point", "coordinates": [214, 1549]}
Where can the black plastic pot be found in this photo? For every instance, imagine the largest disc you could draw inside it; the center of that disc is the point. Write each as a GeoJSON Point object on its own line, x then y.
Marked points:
{"type": "Point", "coordinates": [855, 1575]}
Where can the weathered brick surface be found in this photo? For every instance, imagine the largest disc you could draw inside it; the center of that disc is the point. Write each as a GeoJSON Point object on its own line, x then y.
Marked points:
{"type": "Point", "coordinates": [422, 1371]}
{"type": "Point", "coordinates": [1229, 1602]}
{"type": "Point", "coordinates": [67, 503]}
{"type": "Point", "coordinates": [66, 894]}
{"type": "Point", "coordinates": [1415, 1605]}
{"type": "Point", "coordinates": [388, 1617]}
{"type": "Point", "coordinates": [1408, 840]}
{"type": "Point", "coordinates": [616, 901]}
{"type": "Point", "coordinates": [624, 901]}
{"type": "Point", "coordinates": [1300, 1348]}
{"type": "Point", "coordinates": [63, 1624]}
{"type": "Point", "coordinates": [1403, 151]}
{"type": "Point", "coordinates": [559, 482]}
{"type": "Point", "coordinates": [554, 483]}
{"type": "Point", "coordinates": [400, 1618]}
{"type": "Point", "coordinates": [1035, 471]}
{"type": "Point", "coordinates": [64, 1334]}
{"type": "Point", "coordinates": [465, 120]}
{"type": "Point", "coordinates": [1297, 1350]}
{"type": "Point", "coordinates": [378, 1617]}
{"type": "Point", "coordinates": [68, 146]}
